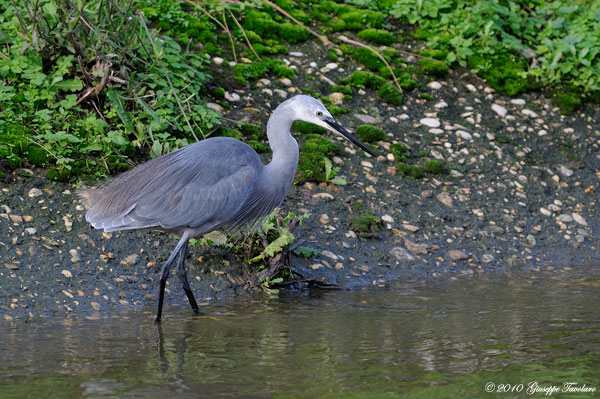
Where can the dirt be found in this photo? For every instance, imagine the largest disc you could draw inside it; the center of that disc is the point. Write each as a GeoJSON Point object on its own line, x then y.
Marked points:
{"type": "Point", "coordinates": [520, 191]}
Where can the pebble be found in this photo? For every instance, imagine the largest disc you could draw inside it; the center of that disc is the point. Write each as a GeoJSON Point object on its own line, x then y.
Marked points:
{"type": "Point", "coordinates": [30, 230]}
{"type": "Point", "coordinates": [281, 93]}
{"type": "Point", "coordinates": [579, 219]}
{"type": "Point", "coordinates": [565, 171]}
{"type": "Point", "coordinates": [434, 85]}
{"type": "Point", "coordinates": [368, 119]}
{"type": "Point", "coordinates": [215, 107]}
{"type": "Point", "coordinates": [324, 218]}
{"type": "Point", "coordinates": [529, 113]}
{"type": "Point", "coordinates": [296, 54]}
{"type": "Point", "coordinates": [232, 96]}
{"type": "Point", "coordinates": [487, 258]}
{"type": "Point", "coordinates": [471, 88]}
{"type": "Point", "coordinates": [96, 306]}
{"type": "Point", "coordinates": [131, 260]}
{"type": "Point", "coordinates": [75, 258]}
{"type": "Point", "coordinates": [499, 109]}
{"type": "Point", "coordinates": [445, 199]}
{"type": "Point", "coordinates": [34, 192]}
{"type": "Point", "coordinates": [15, 218]}
{"type": "Point", "coordinates": [565, 218]}
{"type": "Point", "coordinates": [457, 254]}
{"type": "Point", "coordinates": [464, 135]}
{"type": "Point", "coordinates": [442, 104]}
{"type": "Point", "coordinates": [28, 219]}
{"type": "Point", "coordinates": [313, 64]}
{"type": "Point", "coordinates": [263, 82]}
{"type": "Point", "coordinates": [331, 66]}
{"type": "Point", "coordinates": [414, 247]}
{"type": "Point", "coordinates": [402, 254]}
{"type": "Point", "coordinates": [430, 122]}
{"type": "Point", "coordinates": [286, 82]}
{"type": "Point", "coordinates": [66, 273]}
{"type": "Point", "coordinates": [517, 101]}
{"type": "Point", "coordinates": [337, 98]}
{"type": "Point", "coordinates": [545, 211]}
{"type": "Point", "coordinates": [387, 219]}
{"type": "Point", "coordinates": [218, 60]}
{"type": "Point", "coordinates": [330, 255]}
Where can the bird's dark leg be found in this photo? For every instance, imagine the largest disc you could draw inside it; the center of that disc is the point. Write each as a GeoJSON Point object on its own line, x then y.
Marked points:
{"type": "Point", "coordinates": [182, 274]}
{"type": "Point", "coordinates": [165, 274]}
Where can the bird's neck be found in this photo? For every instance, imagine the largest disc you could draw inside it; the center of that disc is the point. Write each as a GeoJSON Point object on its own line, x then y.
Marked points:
{"type": "Point", "coordinates": [283, 145]}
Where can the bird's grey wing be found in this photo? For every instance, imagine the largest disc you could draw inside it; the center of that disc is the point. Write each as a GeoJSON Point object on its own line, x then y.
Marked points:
{"type": "Point", "coordinates": [200, 186]}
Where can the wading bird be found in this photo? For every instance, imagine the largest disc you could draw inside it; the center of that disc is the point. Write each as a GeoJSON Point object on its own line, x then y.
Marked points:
{"type": "Point", "coordinates": [217, 183]}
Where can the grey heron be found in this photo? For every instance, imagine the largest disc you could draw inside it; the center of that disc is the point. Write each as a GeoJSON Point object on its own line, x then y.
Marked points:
{"type": "Point", "coordinates": [217, 183]}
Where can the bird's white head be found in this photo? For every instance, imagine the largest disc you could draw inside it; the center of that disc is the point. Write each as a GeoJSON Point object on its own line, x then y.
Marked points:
{"type": "Point", "coordinates": [309, 109]}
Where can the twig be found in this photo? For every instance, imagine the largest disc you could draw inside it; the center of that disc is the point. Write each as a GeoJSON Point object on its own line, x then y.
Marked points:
{"type": "Point", "coordinates": [355, 43]}
{"type": "Point", "coordinates": [245, 36]}
{"type": "Point", "coordinates": [216, 21]}
{"type": "Point", "coordinates": [229, 34]}
{"type": "Point", "coordinates": [323, 39]}
{"type": "Point", "coordinates": [41, 145]}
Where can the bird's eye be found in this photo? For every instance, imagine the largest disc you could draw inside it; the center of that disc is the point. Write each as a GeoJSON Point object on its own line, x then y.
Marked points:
{"type": "Point", "coordinates": [319, 113]}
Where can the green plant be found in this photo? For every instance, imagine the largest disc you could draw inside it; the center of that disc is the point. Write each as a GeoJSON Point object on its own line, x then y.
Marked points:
{"type": "Point", "coordinates": [370, 133]}
{"type": "Point", "coordinates": [331, 172]}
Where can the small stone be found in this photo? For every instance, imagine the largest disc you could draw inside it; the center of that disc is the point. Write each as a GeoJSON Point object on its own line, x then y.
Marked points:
{"type": "Point", "coordinates": [331, 66]}
{"type": "Point", "coordinates": [67, 293]}
{"type": "Point", "coordinates": [368, 119]}
{"type": "Point", "coordinates": [232, 96]}
{"type": "Point", "coordinates": [434, 85]}
{"type": "Point", "coordinates": [565, 171]}
{"type": "Point", "coordinates": [471, 88]}
{"type": "Point", "coordinates": [34, 192]}
{"type": "Point", "coordinates": [529, 113]}
{"type": "Point", "coordinates": [415, 248]}
{"type": "Point", "coordinates": [286, 82]}
{"type": "Point", "coordinates": [457, 254]}
{"type": "Point", "coordinates": [542, 132]}
{"type": "Point", "coordinates": [296, 54]}
{"type": "Point", "coordinates": [499, 109]}
{"type": "Point", "coordinates": [96, 306]}
{"type": "Point", "coordinates": [410, 227]}
{"type": "Point", "coordinates": [441, 105]}
{"type": "Point", "coordinates": [215, 107]}
{"type": "Point", "coordinates": [565, 218]}
{"type": "Point", "coordinates": [445, 199]}
{"type": "Point", "coordinates": [280, 93]}
{"type": "Point", "coordinates": [66, 273]}
{"type": "Point", "coordinates": [28, 219]}
{"type": "Point", "coordinates": [68, 223]}
{"type": "Point", "coordinates": [75, 257]}
{"type": "Point", "coordinates": [402, 254]}
{"type": "Point", "coordinates": [326, 196]}
{"type": "Point", "coordinates": [545, 211]}
{"type": "Point", "coordinates": [123, 302]}
{"type": "Point", "coordinates": [30, 230]}
{"type": "Point", "coordinates": [330, 255]}
{"type": "Point", "coordinates": [263, 82]}
{"type": "Point", "coordinates": [366, 164]}
{"type": "Point", "coordinates": [531, 240]}
{"type": "Point", "coordinates": [387, 219]}
{"type": "Point", "coordinates": [218, 60]}
{"type": "Point", "coordinates": [324, 218]}
{"type": "Point", "coordinates": [487, 258]}
{"type": "Point", "coordinates": [430, 122]}
{"type": "Point", "coordinates": [427, 193]}
{"type": "Point", "coordinates": [337, 98]}
{"type": "Point", "coordinates": [464, 135]}
{"type": "Point", "coordinates": [131, 260]}
{"type": "Point", "coordinates": [517, 101]}
{"type": "Point", "coordinates": [579, 219]}
{"type": "Point", "coordinates": [15, 218]}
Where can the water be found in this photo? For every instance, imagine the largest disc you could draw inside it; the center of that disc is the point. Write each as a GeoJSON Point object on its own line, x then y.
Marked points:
{"type": "Point", "coordinates": [423, 340]}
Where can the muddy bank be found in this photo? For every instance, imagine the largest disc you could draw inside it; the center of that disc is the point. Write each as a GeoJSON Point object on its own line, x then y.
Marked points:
{"type": "Point", "coordinates": [519, 191]}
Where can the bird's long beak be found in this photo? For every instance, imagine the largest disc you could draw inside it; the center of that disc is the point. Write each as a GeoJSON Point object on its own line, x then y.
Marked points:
{"type": "Point", "coordinates": [340, 129]}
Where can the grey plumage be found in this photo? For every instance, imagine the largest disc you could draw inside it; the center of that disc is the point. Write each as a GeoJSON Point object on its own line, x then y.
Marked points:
{"type": "Point", "coordinates": [217, 183]}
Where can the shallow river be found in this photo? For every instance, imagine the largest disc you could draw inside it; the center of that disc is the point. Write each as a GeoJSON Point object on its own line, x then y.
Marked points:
{"type": "Point", "coordinates": [520, 332]}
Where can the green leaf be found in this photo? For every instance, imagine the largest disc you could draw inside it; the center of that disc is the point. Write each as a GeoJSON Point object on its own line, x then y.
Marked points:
{"type": "Point", "coordinates": [116, 102]}
{"type": "Point", "coordinates": [285, 238]}
{"type": "Point", "coordinates": [69, 84]}
{"type": "Point", "coordinates": [339, 181]}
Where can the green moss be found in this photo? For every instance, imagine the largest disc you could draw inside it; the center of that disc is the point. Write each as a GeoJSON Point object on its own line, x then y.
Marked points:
{"type": "Point", "coordinates": [258, 146]}
{"type": "Point", "coordinates": [283, 71]}
{"type": "Point", "coordinates": [502, 72]}
{"type": "Point", "coordinates": [366, 224]}
{"type": "Point", "coordinates": [399, 150]}
{"type": "Point", "coordinates": [332, 55]}
{"type": "Point", "coordinates": [426, 96]}
{"type": "Point", "coordinates": [219, 92]}
{"type": "Point", "coordinates": [311, 164]}
{"type": "Point", "coordinates": [36, 155]}
{"type": "Point", "coordinates": [433, 166]}
{"type": "Point", "coordinates": [307, 128]}
{"type": "Point", "coordinates": [423, 154]}
{"type": "Point", "coordinates": [276, 49]}
{"type": "Point", "coordinates": [405, 169]}
{"type": "Point", "coordinates": [360, 19]}
{"type": "Point", "coordinates": [368, 58]}
{"type": "Point", "coordinates": [434, 67]}
{"type": "Point", "coordinates": [364, 79]}
{"type": "Point", "coordinates": [316, 143]}
{"type": "Point", "coordinates": [253, 131]}
{"type": "Point", "coordinates": [378, 36]}
{"type": "Point", "coordinates": [390, 93]}
{"type": "Point", "coordinates": [346, 89]}
{"type": "Point", "coordinates": [370, 133]}
{"type": "Point", "coordinates": [435, 53]}
{"type": "Point", "coordinates": [338, 25]}
{"type": "Point", "coordinates": [252, 72]}
{"type": "Point", "coordinates": [56, 174]}
{"type": "Point", "coordinates": [212, 49]}
{"type": "Point", "coordinates": [293, 33]}
{"type": "Point", "coordinates": [567, 100]}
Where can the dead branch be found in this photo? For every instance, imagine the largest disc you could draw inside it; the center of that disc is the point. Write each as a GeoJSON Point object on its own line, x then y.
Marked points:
{"type": "Point", "coordinates": [245, 36]}
{"type": "Point", "coordinates": [229, 35]}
